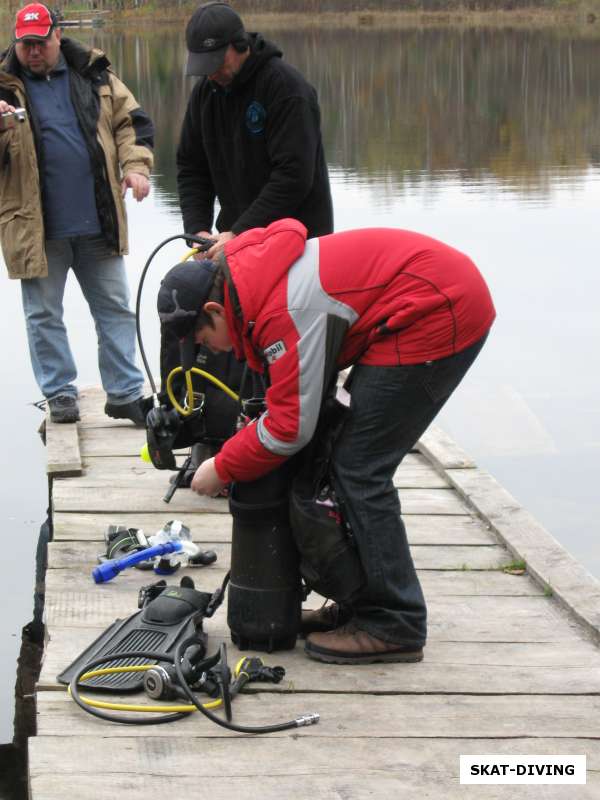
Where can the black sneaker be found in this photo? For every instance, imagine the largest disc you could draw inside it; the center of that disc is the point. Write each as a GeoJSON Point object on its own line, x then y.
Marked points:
{"type": "Point", "coordinates": [135, 411]}
{"type": "Point", "coordinates": [63, 408]}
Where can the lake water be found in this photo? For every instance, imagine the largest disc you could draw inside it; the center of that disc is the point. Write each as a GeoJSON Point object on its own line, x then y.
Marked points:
{"type": "Point", "coordinates": [486, 139]}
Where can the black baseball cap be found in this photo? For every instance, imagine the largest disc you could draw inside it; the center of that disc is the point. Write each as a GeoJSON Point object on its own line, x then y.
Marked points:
{"type": "Point", "coordinates": [183, 292]}
{"type": "Point", "coordinates": [211, 29]}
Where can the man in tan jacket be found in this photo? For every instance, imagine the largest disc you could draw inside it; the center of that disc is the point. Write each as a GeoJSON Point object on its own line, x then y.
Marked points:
{"type": "Point", "coordinates": [64, 171]}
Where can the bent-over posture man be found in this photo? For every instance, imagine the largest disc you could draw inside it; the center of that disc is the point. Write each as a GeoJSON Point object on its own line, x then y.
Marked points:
{"type": "Point", "coordinates": [416, 314]}
{"type": "Point", "coordinates": [63, 174]}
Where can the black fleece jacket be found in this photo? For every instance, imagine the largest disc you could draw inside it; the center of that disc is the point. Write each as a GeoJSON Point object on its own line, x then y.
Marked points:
{"type": "Point", "coordinates": [256, 146]}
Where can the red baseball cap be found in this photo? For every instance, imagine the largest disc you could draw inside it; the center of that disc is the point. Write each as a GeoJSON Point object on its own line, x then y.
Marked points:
{"type": "Point", "coordinates": [34, 21]}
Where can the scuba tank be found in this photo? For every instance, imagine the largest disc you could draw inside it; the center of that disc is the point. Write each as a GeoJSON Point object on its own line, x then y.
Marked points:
{"type": "Point", "coordinates": [265, 589]}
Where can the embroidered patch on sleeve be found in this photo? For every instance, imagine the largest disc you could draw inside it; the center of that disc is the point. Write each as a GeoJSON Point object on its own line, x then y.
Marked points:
{"type": "Point", "coordinates": [274, 351]}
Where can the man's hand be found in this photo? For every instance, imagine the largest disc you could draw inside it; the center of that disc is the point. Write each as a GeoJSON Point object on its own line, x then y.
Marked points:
{"type": "Point", "coordinates": [206, 480]}
{"type": "Point", "coordinates": [219, 243]}
{"type": "Point", "coordinates": [5, 108]}
{"type": "Point", "coordinates": [139, 185]}
{"type": "Point", "coordinates": [201, 255]}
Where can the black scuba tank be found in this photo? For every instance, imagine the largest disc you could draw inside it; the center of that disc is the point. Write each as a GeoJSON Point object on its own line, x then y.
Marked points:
{"type": "Point", "coordinates": [265, 593]}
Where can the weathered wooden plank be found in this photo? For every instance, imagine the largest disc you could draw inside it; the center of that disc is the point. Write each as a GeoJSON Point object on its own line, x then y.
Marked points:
{"type": "Point", "coordinates": [358, 784]}
{"type": "Point", "coordinates": [448, 583]}
{"type": "Point", "coordinates": [130, 581]}
{"type": "Point", "coordinates": [414, 472]}
{"type": "Point", "coordinates": [73, 526]}
{"type": "Point", "coordinates": [434, 582]}
{"type": "Point", "coordinates": [546, 559]}
{"type": "Point", "coordinates": [361, 785]}
{"type": "Point", "coordinates": [89, 499]}
{"type": "Point", "coordinates": [380, 716]}
{"type": "Point", "coordinates": [449, 667]}
{"type": "Point", "coordinates": [127, 441]}
{"type": "Point", "coordinates": [62, 449]}
{"type": "Point", "coordinates": [278, 756]}
{"type": "Point", "coordinates": [442, 451]}
{"type": "Point", "coordinates": [476, 618]}
{"type": "Point", "coordinates": [299, 768]}
{"type": "Point", "coordinates": [99, 466]}
{"type": "Point", "coordinates": [83, 555]}
{"type": "Point", "coordinates": [99, 420]}
{"type": "Point", "coordinates": [421, 529]}
{"type": "Point", "coordinates": [497, 659]}
{"type": "Point", "coordinates": [135, 477]}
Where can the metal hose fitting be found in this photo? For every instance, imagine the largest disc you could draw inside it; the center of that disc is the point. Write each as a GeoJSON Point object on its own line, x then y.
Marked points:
{"type": "Point", "coordinates": [307, 719]}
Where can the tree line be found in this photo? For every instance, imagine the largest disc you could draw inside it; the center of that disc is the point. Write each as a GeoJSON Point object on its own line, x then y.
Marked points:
{"type": "Point", "coordinates": [306, 7]}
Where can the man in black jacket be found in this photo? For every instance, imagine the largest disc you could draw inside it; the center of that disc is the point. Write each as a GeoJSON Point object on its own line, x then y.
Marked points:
{"type": "Point", "coordinates": [251, 138]}
{"type": "Point", "coordinates": [251, 135]}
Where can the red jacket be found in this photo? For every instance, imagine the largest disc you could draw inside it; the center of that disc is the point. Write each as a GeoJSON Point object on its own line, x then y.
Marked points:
{"type": "Point", "coordinates": [404, 297]}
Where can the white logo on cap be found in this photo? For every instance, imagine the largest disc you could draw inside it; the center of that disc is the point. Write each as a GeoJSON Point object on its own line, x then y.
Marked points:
{"type": "Point", "coordinates": [209, 43]}
{"type": "Point", "coordinates": [31, 16]}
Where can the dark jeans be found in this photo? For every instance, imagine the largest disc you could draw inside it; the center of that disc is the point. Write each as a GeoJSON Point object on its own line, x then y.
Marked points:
{"type": "Point", "coordinates": [390, 408]}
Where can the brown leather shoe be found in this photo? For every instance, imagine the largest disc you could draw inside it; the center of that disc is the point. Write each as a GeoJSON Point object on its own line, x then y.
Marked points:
{"type": "Point", "coordinates": [327, 618]}
{"type": "Point", "coordinates": [349, 645]}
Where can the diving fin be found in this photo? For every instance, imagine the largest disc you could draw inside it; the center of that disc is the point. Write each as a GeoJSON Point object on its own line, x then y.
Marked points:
{"type": "Point", "coordinates": [168, 615]}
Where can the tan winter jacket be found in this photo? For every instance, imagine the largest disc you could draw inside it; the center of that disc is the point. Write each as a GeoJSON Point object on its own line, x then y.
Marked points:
{"type": "Point", "coordinates": [118, 135]}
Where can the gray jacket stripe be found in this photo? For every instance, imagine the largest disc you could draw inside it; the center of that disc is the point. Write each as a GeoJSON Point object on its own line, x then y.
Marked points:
{"type": "Point", "coordinates": [309, 306]}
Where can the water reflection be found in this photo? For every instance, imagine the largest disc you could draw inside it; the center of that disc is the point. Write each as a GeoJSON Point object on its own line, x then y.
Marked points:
{"type": "Point", "coordinates": [516, 108]}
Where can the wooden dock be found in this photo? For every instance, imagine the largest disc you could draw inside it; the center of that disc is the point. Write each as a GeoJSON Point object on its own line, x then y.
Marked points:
{"type": "Point", "coordinates": [512, 664]}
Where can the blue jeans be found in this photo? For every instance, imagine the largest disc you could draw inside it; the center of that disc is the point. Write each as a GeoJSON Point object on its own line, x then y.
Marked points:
{"type": "Point", "coordinates": [104, 284]}
{"type": "Point", "coordinates": [390, 408]}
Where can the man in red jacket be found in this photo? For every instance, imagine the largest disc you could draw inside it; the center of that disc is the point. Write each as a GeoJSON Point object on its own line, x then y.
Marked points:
{"type": "Point", "coordinates": [411, 314]}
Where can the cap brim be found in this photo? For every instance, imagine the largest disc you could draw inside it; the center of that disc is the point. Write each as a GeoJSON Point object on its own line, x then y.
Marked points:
{"type": "Point", "coordinates": [205, 63]}
{"type": "Point", "coordinates": [34, 34]}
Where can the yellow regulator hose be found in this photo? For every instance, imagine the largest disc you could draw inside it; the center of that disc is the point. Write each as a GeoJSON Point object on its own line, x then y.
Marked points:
{"type": "Point", "coordinates": [132, 707]}
{"type": "Point", "coordinates": [185, 412]}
